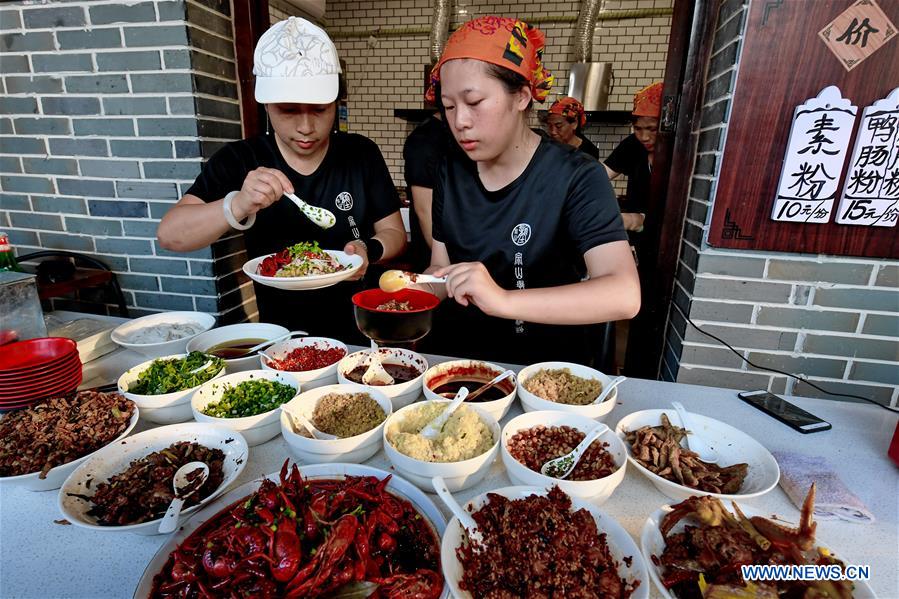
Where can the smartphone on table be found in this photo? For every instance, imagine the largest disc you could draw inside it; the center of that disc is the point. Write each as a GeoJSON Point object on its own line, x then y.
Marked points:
{"type": "Point", "coordinates": [779, 408]}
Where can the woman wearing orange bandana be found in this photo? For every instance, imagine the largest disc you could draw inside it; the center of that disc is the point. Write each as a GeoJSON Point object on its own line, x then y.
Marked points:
{"type": "Point", "coordinates": [564, 121]}
{"type": "Point", "coordinates": [633, 156]}
{"type": "Point", "coordinates": [526, 230]}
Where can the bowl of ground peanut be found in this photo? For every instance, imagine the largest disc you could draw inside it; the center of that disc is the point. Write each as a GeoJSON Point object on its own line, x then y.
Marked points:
{"type": "Point", "coordinates": [355, 414]}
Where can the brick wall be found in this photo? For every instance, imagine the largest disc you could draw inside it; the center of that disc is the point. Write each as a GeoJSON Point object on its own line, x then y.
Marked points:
{"type": "Point", "coordinates": [835, 320]}
{"type": "Point", "coordinates": [108, 110]}
{"type": "Point", "coordinates": [386, 73]}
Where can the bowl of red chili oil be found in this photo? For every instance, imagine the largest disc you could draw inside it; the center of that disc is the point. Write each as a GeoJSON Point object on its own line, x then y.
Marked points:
{"type": "Point", "coordinates": [394, 318]}
{"type": "Point", "coordinates": [311, 360]}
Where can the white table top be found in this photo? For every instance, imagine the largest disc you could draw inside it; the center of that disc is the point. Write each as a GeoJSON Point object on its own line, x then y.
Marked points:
{"type": "Point", "coordinates": [41, 559]}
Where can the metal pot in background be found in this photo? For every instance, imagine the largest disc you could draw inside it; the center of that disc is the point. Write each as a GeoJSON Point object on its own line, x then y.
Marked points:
{"type": "Point", "coordinates": [591, 83]}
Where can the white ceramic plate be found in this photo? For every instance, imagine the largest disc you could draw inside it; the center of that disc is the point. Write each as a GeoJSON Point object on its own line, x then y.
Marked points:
{"type": "Point", "coordinates": [652, 543]}
{"type": "Point", "coordinates": [163, 348]}
{"type": "Point", "coordinates": [116, 458]}
{"type": "Point", "coordinates": [354, 263]}
{"type": "Point", "coordinates": [620, 543]}
{"type": "Point", "coordinates": [733, 447]}
{"type": "Point", "coordinates": [397, 485]}
{"type": "Point", "coordinates": [56, 476]}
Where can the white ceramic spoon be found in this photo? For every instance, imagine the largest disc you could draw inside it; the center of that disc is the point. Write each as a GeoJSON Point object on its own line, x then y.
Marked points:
{"type": "Point", "coordinates": [184, 488]}
{"type": "Point", "coordinates": [395, 280]}
{"type": "Point", "coordinates": [468, 523]}
{"type": "Point", "coordinates": [694, 442]}
{"type": "Point", "coordinates": [562, 466]}
{"type": "Point", "coordinates": [256, 348]}
{"type": "Point", "coordinates": [298, 419]}
{"type": "Point", "coordinates": [375, 374]}
{"type": "Point", "coordinates": [612, 384]}
{"type": "Point", "coordinates": [432, 429]}
{"type": "Point", "coordinates": [321, 217]}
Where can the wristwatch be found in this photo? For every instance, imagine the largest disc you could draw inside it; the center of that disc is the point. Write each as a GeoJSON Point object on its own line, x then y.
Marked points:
{"type": "Point", "coordinates": [229, 216]}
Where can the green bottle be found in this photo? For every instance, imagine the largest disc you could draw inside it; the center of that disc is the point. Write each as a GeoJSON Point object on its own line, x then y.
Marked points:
{"type": "Point", "coordinates": [7, 258]}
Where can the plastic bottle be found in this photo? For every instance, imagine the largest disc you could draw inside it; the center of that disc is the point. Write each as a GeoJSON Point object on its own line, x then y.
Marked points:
{"type": "Point", "coordinates": [7, 257]}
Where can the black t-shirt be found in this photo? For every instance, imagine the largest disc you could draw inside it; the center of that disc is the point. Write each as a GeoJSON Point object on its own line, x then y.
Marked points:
{"type": "Point", "coordinates": [424, 149]}
{"type": "Point", "coordinates": [588, 148]}
{"type": "Point", "coordinates": [532, 233]}
{"type": "Point", "coordinates": [631, 158]}
{"type": "Point", "coordinates": [352, 181]}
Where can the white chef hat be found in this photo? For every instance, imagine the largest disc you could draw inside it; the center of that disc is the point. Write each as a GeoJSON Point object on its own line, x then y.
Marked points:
{"type": "Point", "coordinates": [296, 62]}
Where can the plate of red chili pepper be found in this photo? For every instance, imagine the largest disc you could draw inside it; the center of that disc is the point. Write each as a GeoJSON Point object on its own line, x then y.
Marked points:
{"type": "Point", "coordinates": [303, 266]}
{"type": "Point", "coordinates": [313, 531]}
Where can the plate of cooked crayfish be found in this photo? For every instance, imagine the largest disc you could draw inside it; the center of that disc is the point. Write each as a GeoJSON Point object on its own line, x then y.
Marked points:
{"type": "Point", "coordinates": [312, 531]}
{"type": "Point", "coordinates": [697, 548]}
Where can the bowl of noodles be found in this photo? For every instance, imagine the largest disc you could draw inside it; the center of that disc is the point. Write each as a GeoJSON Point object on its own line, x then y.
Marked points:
{"type": "Point", "coordinates": [302, 266]}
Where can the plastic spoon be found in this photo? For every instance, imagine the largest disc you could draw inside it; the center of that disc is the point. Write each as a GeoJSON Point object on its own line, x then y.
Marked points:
{"type": "Point", "coordinates": [395, 280]}
{"type": "Point", "coordinates": [320, 216]}
{"type": "Point", "coordinates": [465, 519]}
{"type": "Point", "coordinates": [695, 443]}
{"type": "Point", "coordinates": [432, 429]}
{"type": "Point", "coordinates": [562, 466]}
{"type": "Point", "coordinates": [297, 418]}
{"type": "Point", "coordinates": [612, 384]}
{"type": "Point", "coordinates": [256, 348]}
{"type": "Point", "coordinates": [184, 488]}
{"type": "Point", "coordinates": [376, 375]}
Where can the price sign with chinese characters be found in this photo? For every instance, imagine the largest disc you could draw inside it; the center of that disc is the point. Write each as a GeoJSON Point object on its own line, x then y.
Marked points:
{"type": "Point", "coordinates": [816, 151]}
{"type": "Point", "coordinates": [857, 33]}
{"type": "Point", "coordinates": [871, 191]}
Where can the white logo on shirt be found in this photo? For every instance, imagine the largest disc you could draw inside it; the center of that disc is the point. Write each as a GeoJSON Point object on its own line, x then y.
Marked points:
{"type": "Point", "coordinates": [521, 234]}
{"type": "Point", "coordinates": [344, 201]}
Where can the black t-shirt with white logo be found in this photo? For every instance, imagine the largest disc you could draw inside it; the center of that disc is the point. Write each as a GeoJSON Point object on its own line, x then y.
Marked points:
{"type": "Point", "coordinates": [352, 181]}
{"type": "Point", "coordinates": [533, 233]}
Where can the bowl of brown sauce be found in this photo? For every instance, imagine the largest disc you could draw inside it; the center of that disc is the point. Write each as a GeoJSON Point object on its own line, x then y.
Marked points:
{"type": "Point", "coordinates": [444, 380]}
{"type": "Point", "coordinates": [231, 342]}
{"type": "Point", "coordinates": [406, 367]}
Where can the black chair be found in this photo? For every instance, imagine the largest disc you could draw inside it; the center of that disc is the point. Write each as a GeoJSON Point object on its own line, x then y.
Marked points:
{"type": "Point", "coordinates": [112, 282]}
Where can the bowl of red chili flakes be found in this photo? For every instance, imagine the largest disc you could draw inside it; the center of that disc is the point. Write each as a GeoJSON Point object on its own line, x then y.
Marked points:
{"type": "Point", "coordinates": [311, 360]}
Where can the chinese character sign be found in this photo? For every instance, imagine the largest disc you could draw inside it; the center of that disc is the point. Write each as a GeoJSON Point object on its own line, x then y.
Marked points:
{"type": "Point", "coordinates": [857, 33]}
{"type": "Point", "coordinates": [816, 152]}
{"type": "Point", "coordinates": [871, 191]}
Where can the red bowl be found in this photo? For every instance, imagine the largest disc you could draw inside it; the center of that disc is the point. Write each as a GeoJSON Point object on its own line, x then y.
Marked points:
{"type": "Point", "coordinates": [36, 383]}
{"type": "Point", "coordinates": [23, 355]}
{"type": "Point", "coordinates": [390, 326]}
{"type": "Point", "coordinates": [51, 391]}
{"type": "Point", "coordinates": [56, 367]}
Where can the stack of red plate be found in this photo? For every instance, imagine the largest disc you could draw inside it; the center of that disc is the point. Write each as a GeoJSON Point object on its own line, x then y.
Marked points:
{"type": "Point", "coordinates": [37, 369]}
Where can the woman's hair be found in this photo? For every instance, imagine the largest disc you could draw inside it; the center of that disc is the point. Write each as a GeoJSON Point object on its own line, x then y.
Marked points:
{"type": "Point", "coordinates": [512, 81]}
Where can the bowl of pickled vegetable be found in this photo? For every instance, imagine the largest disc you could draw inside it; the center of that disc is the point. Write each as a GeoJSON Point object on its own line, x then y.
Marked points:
{"type": "Point", "coordinates": [162, 388]}
{"type": "Point", "coordinates": [247, 402]}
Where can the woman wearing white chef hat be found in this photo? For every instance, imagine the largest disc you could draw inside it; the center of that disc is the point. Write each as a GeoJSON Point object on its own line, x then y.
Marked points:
{"type": "Point", "coordinates": [242, 186]}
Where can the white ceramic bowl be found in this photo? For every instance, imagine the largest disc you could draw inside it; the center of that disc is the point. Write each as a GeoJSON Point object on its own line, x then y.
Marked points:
{"type": "Point", "coordinates": [496, 408]}
{"type": "Point", "coordinates": [56, 476]}
{"type": "Point", "coordinates": [619, 541]}
{"type": "Point", "coordinates": [352, 262]}
{"type": "Point", "coordinates": [256, 429]}
{"type": "Point", "coordinates": [597, 491]}
{"type": "Point", "coordinates": [166, 348]}
{"type": "Point", "coordinates": [733, 447]}
{"type": "Point", "coordinates": [533, 403]}
{"type": "Point", "coordinates": [309, 378]}
{"type": "Point", "coordinates": [317, 451]}
{"type": "Point", "coordinates": [167, 408]}
{"type": "Point", "coordinates": [652, 543]}
{"type": "Point", "coordinates": [114, 459]}
{"type": "Point", "coordinates": [402, 394]}
{"type": "Point", "coordinates": [235, 332]}
{"type": "Point", "coordinates": [396, 485]}
{"type": "Point", "coordinates": [458, 475]}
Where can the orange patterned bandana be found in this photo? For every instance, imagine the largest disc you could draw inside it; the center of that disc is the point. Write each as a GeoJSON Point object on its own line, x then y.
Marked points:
{"type": "Point", "coordinates": [648, 101]}
{"type": "Point", "coordinates": [569, 108]}
{"type": "Point", "coordinates": [506, 42]}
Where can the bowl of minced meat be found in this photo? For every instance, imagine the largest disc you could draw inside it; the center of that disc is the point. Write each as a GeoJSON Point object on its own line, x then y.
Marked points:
{"type": "Point", "coordinates": [355, 414]}
{"type": "Point", "coordinates": [462, 453]}
{"type": "Point", "coordinates": [565, 386]}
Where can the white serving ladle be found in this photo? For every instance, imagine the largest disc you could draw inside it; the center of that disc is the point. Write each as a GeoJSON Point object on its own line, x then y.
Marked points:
{"type": "Point", "coordinates": [320, 216]}
{"type": "Point", "coordinates": [694, 442]}
{"type": "Point", "coordinates": [465, 519]}
{"type": "Point", "coordinates": [562, 466]}
{"type": "Point", "coordinates": [375, 374]}
{"type": "Point", "coordinates": [395, 280]}
{"type": "Point", "coordinates": [181, 484]}
{"type": "Point", "coordinates": [612, 384]}
{"type": "Point", "coordinates": [433, 428]}
{"type": "Point", "coordinates": [299, 419]}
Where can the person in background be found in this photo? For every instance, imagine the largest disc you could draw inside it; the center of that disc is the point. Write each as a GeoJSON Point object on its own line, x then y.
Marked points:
{"type": "Point", "coordinates": [425, 147]}
{"type": "Point", "coordinates": [633, 156]}
{"type": "Point", "coordinates": [242, 185]}
{"type": "Point", "coordinates": [519, 218]}
{"type": "Point", "coordinates": [565, 121]}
